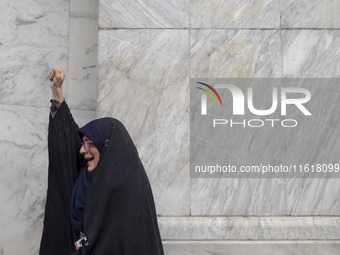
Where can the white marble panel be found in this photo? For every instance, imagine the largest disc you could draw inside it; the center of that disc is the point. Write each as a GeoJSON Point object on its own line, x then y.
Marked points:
{"type": "Point", "coordinates": [249, 228]}
{"type": "Point", "coordinates": [237, 197]}
{"type": "Point", "coordinates": [310, 14]}
{"type": "Point", "coordinates": [241, 54]}
{"type": "Point", "coordinates": [34, 36]}
{"type": "Point", "coordinates": [82, 117]}
{"type": "Point", "coordinates": [235, 14]}
{"type": "Point", "coordinates": [312, 144]}
{"type": "Point", "coordinates": [235, 54]}
{"type": "Point", "coordinates": [144, 14]}
{"type": "Point", "coordinates": [316, 138]}
{"type": "Point", "coordinates": [251, 247]}
{"type": "Point", "coordinates": [316, 142]}
{"type": "Point", "coordinates": [313, 196]}
{"type": "Point", "coordinates": [235, 144]}
{"type": "Point", "coordinates": [311, 53]}
{"type": "Point", "coordinates": [143, 81]}
{"type": "Point", "coordinates": [83, 54]}
{"type": "Point", "coordinates": [23, 140]}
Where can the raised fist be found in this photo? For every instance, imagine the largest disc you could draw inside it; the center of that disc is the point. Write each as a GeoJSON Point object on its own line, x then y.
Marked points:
{"type": "Point", "coordinates": [57, 77]}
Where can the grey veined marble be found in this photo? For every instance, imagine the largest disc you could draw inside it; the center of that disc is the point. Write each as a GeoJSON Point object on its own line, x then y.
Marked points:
{"type": "Point", "coordinates": [242, 196]}
{"type": "Point", "coordinates": [143, 81]}
{"type": "Point", "coordinates": [311, 53]}
{"type": "Point", "coordinates": [235, 53]}
{"type": "Point", "coordinates": [252, 247]}
{"type": "Point", "coordinates": [249, 228]}
{"type": "Point", "coordinates": [143, 14]}
{"type": "Point", "coordinates": [23, 149]}
{"type": "Point", "coordinates": [310, 13]}
{"type": "Point", "coordinates": [83, 54]}
{"type": "Point", "coordinates": [313, 197]}
{"type": "Point", "coordinates": [235, 14]}
{"type": "Point", "coordinates": [34, 36]}
{"type": "Point", "coordinates": [24, 161]}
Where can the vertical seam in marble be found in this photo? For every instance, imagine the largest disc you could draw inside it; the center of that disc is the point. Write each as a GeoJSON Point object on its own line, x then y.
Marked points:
{"type": "Point", "coordinates": [97, 80]}
{"type": "Point", "coordinates": [190, 179]}
{"type": "Point", "coordinates": [189, 74]}
{"type": "Point", "coordinates": [281, 47]}
{"type": "Point", "coordinates": [68, 47]}
{"type": "Point", "coordinates": [284, 137]}
{"type": "Point", "coordinates": [281, 44]}
{"type": "Point", "coordinates": [189, 16]}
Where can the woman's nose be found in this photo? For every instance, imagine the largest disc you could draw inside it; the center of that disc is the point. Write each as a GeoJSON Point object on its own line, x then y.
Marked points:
{"type": "Point", "coordinates": [82, 150]}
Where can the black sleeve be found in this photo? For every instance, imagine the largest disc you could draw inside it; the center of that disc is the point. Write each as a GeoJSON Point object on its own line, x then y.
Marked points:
{"type": "Point", "coordinates": [64, 164]}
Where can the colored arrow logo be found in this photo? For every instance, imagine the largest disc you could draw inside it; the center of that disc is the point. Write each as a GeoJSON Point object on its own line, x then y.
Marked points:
{"type": "Point", "coordinates": [209, 93]}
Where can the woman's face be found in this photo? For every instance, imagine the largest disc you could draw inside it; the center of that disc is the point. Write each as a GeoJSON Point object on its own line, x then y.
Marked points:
{"type": "Point", "coordinates": [90, 153]}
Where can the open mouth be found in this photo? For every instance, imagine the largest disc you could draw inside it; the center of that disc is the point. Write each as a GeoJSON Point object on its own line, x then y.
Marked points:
{"type": "Point", "coordinates": [89, 161]}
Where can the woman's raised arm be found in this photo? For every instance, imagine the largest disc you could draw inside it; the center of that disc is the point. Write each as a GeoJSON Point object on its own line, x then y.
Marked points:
{"type": "Point", "coordinates": [63, 170]}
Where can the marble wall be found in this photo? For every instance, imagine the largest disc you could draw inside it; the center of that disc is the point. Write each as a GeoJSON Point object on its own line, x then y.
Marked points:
{"type": "Point", "coordinates": [148, 51]}
{"type": "Point", "coordinates": [143, 56]}
{"type": "Point", "coordinates": [35, 35]}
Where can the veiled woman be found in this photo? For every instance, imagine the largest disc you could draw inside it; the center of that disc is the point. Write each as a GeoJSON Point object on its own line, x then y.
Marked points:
{"type": "Point", "coordinates": [99, 200]}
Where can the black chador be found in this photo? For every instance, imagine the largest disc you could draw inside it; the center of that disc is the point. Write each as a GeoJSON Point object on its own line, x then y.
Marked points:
{"type": "Point", "coordinates": [118, 214]}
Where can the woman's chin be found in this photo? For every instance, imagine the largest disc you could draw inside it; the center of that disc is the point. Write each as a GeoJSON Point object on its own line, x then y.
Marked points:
{"type": "Point", "coordinates": [90, 167]}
